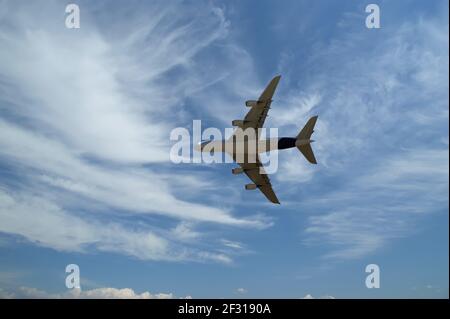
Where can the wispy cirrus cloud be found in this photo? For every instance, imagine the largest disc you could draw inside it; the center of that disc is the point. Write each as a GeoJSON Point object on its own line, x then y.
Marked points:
{"type": "Point", "coordinates": [386, 203]}
{"type": "Point", "coordinates": [382, 136]}
{"type": "Point", "coordinates": [85, 122]}
{"type": "Point", "coordinates": [54, 165]}
{"type": "Point", "coordinates": [46, 224]}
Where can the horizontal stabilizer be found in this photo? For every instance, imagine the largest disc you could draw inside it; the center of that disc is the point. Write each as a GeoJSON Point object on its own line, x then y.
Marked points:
{"type": "Point", "coordinates": [303, 141]}
{"type": "Point", "coordinates": [308, 153]}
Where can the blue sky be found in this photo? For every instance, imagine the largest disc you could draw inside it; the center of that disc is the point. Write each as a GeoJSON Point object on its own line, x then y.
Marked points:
{"type": "Point", "coordinates": [85, 175]}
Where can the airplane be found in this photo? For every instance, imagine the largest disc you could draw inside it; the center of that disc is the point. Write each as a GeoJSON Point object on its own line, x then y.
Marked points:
{"type": "Point", "coordinates": [244, 148]}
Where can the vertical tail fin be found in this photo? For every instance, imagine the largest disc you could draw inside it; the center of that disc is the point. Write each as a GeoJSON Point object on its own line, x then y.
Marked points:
{"type": "Point", "coordinates": [303, 142]}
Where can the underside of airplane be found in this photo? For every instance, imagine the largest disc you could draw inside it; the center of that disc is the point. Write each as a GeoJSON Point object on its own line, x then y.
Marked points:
{"type": "Point", "coordinates": [245, 143]}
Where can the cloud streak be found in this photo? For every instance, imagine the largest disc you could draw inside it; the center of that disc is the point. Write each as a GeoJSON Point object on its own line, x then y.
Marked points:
{"type": "Point", "coordinates": [382, 135]}
{"type": "Point", "coordinates": [386, 203]}
{"type": "Point", "coordinates": [85, 122]}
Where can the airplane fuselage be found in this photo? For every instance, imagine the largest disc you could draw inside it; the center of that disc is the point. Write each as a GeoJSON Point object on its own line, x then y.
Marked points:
{"type": "Point", "coordinates": [235, 146]}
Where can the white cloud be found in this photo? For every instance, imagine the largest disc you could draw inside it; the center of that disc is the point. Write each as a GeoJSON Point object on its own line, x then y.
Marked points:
{"type": "Point", "coordinates": [218, 257]}
{"type": "Point", "coordinates": [98, 293]}
{"type": "Point", "coordinates": [184, 231]}
{"type": "Point", "coordinates": [382, 204]}
{"type": "Point", "coordinates": [295, 108]}
{"type": "Point", "coordinates": [392, 93]}
{"type": "Point", "coordinates": [309, 296]}
{"type": "Point", "coordinates": [82, 111]}
{"type": "Point", "coordinates": [294, 168]}
{"type": "Point", "coordinates": [381, 136]}
{"type": "Point", "coordinates": [241, 291]}
{"type": "Point", "coordinates": [133, 189]}
{"type": "Point", "coordinates": [86, 110]}
{"type": "Point", "coordinates": [103, 95]}
{"type": "Point", "coordinates": [45, 224]}
{"type": "Point", "coordinates": [232, 244]}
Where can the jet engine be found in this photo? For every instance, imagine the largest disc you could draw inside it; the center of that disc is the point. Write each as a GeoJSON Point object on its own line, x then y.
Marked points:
{"type": "Point", "coordinates": [251, 103]}
{"type": "Point", "coordinates": [237, 170]}
{"type": "Point", "coordinates": [239, 123]}
{"type": "Point", "coordinates": [250, 186]}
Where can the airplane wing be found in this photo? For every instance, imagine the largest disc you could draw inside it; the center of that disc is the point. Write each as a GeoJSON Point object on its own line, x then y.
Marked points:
{"type": "Point", "coordinates": [257, 115]}
{"type": "Point", "coordinates": [262, 181]}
